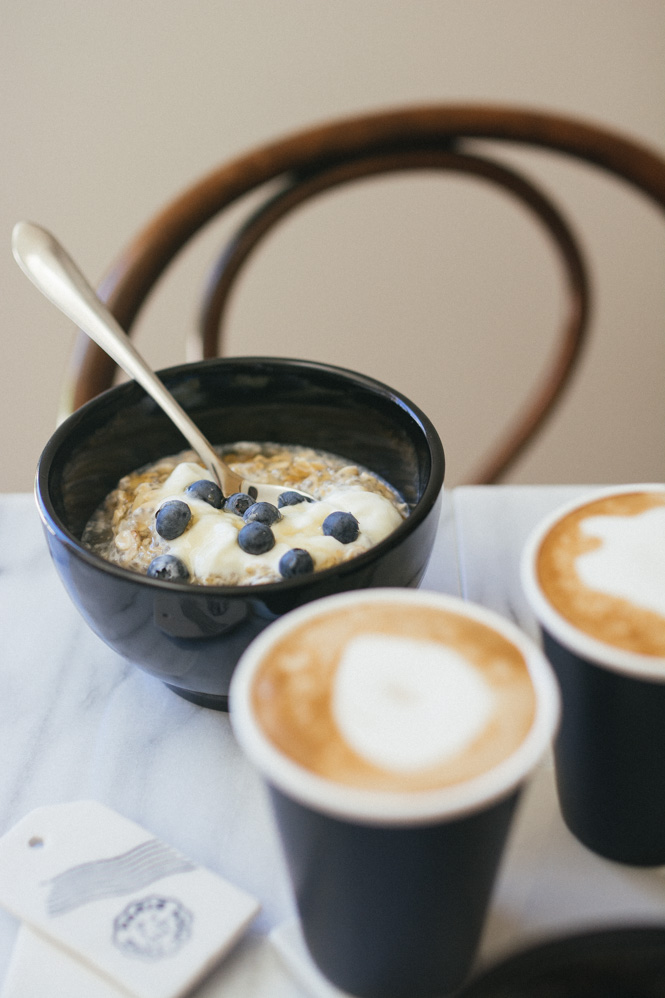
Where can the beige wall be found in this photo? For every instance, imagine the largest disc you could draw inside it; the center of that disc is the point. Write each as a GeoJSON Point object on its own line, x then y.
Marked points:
{"type": "Point", "coordinates": [438, 286]}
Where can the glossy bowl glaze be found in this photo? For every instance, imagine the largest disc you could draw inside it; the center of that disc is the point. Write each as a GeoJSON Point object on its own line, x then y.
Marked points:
{"type": "Point", "coordinates": [192, 636]}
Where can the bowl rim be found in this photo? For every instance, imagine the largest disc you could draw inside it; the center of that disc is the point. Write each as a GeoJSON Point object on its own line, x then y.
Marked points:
{"type": "Point", "coordinates": [58, 530]}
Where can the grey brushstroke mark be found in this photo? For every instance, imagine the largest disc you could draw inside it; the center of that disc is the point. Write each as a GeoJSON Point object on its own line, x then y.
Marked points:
{"type": "Point", "coordinates": [115, 876]}
{"type": "Point", "coordinates": [152, 928]}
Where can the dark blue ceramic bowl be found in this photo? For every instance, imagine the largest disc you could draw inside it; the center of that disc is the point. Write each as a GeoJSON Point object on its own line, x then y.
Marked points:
{"type": "Point", "coordinates": [192, 636]}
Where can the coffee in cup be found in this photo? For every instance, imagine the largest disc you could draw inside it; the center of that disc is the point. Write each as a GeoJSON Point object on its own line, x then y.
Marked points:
{"type": "Point", "coordinates": [352, 713]}
{"type": "Point", "coordinates": [394, 729]}
{"type": "Point", "coordinates": [594, 575]}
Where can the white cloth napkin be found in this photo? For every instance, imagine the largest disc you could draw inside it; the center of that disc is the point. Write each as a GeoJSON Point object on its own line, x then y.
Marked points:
{"type": "Point", "coordinates": [289, 943]}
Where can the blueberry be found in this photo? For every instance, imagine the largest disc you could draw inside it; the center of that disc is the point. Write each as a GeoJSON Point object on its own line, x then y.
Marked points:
{"type": "Point", "coordinates": [167, 566]}
{"type": "Point", "coordinates": [342, 526]}
{"type": "Point", "coordinates": [256, 538]}
{"type": "Point", "coordinates": [264, 512]}
{"type": "Point", "coordinates": [238, 503]}
{"type": "Point", "coordinates": [297, 561]}
{"type": "Point", "coordinates": [292, 499]}
{"type": "Point", "coordinates": [172, 518]}
{"type": "Point", "coordinates": [209, 491]}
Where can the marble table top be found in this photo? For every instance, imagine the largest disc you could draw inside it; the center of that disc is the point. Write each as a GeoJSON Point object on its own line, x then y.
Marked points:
{"type": "Point", "coordinates": [77, 721]}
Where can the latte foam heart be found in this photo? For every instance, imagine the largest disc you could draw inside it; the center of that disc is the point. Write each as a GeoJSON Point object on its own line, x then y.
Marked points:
{"type": "Point", "coordinates": [405, 705]}
{"type": "Point", "coordinates": [630, 563]}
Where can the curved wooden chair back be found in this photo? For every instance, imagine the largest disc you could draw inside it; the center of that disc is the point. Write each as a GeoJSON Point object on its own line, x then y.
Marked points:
{"type": "Point", "coordinates": [301, 166]}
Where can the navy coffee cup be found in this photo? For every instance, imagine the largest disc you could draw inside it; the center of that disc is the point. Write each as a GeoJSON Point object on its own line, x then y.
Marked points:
{"type": "Point", "coordinates": [392, 887]}
{"type": "Point", "coordinates": [610, 749]}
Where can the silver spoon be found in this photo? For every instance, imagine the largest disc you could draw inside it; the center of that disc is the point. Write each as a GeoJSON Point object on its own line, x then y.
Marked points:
{"type": "Point", "coordinates": [52, 270]}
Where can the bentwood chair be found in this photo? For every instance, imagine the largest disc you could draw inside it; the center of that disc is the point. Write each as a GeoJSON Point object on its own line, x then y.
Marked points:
{"type": "Point", "coordinates": [290, 171]}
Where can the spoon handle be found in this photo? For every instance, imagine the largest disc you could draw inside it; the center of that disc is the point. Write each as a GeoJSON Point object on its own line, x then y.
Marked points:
{"type": "Point", "coordinates": [52, 270]}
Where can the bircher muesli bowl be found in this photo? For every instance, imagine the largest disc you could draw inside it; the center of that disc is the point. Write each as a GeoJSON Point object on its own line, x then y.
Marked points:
{"type": "Point", "coordinates": [191, 635]}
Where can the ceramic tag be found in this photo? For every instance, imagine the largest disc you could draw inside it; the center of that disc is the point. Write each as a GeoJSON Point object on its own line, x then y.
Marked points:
{"type": "Point", "coordinates": [118, 899]}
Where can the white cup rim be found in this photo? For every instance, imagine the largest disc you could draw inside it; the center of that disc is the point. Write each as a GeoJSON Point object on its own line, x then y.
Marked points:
{"type": "Point", "coordinates": [395, 808]}
{"type": "Point", "coordinates": [628, 663]}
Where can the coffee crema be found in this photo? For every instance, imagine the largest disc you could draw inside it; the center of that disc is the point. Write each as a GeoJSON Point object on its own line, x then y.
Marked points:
{"type": "Point", "coordinates": [602, 568]}
{"type": "Point", "coordinates": [392, 697]}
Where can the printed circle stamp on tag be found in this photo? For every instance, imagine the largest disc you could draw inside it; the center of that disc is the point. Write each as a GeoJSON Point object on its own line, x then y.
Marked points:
{"type": "Point", "coordinates": [152, 928]}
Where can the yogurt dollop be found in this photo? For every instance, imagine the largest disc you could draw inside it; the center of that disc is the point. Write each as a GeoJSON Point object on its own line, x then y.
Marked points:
{"type": "Point", "coordinates": [209, 546]}
{"type": "Point", "coordinates": [210, 550]}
